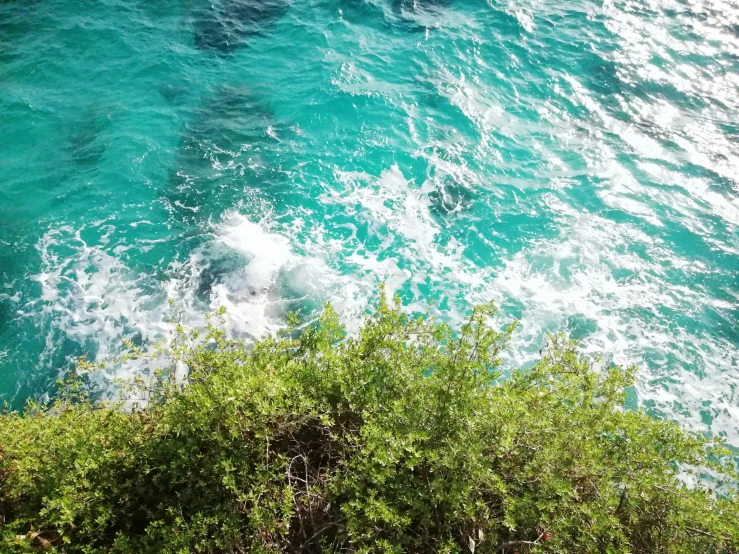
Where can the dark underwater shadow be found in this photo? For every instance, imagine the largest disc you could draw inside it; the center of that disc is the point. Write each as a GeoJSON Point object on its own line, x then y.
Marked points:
{"type": "Point", "coordinates": [449, 199]}
{"type": "Point", "coordinates": [396, 15]}
{"type": "Point", "coordinates": [173, 94]}
{"type": "Point", "coordinates": [85, 145]}
{"type": "Point", "coordinates": [224, 151]}
{"type": "Point", "coordinates": [216, 271]}
{"type": "Point", "coordinates": [17, 21]}
{"type": "Point", "coordinates": [223, 26]}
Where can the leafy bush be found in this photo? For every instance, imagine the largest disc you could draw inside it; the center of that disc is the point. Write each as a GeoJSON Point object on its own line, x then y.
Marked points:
{"type": "Point", "coordinates": [402, 439]}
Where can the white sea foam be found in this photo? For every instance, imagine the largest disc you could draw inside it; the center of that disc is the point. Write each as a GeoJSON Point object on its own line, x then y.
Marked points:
{"type": "Point", "coordinates": [256, 269]}
{"type": "Point", "coordinates": [257, 294]}
{"type": "Point", "coordinates": [89, 296]}
{"type": "Point", "coordinates": [573, 275]}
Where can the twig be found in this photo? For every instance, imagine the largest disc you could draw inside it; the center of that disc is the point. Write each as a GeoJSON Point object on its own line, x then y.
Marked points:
{"type": "Point", "coordinates": [300, 517]}
{"type": "Point", "coordinates": [704, 533]}
{"type": "Point", "coordinates": [519, 543]}
{"type": "Point", "coordinates": [307, 493]}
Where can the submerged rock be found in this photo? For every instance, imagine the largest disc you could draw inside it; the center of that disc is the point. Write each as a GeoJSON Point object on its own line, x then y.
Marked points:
{"type": "Point", "coordinates": [449, 199]}
{"type": "Point", "coordinates": [223, 26]}
{"type": "Point", "coordinates": [85, 145]}
{"type": "Point", "coordinates": [220, 153]}
{"type": "Point", "coordinates": [384, 16]}
{"type": "Point", "coordinates": [173, 94]}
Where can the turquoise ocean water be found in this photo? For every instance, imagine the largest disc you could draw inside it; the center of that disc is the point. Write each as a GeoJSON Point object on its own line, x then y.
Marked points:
{"type": "Point", "coordinates": [577, 162]}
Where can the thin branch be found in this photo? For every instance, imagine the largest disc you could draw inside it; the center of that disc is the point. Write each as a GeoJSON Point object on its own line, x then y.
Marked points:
{"type": "Point", "coordinates": [704, 533]}
{"type": "Point", "coordinates": [505, 545]}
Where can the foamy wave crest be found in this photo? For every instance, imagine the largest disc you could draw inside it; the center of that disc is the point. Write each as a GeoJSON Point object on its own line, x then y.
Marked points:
{"type": "Point", "coordinates": [89, 296]}
{"type": "Point", "coordinates": [593, 284]}
{"type": "Point", "coordinates": [259, 275]}
{"type": "Point", "coordinates": [91, 301]}
{"type": "Point", "coordinates": [409, 252]}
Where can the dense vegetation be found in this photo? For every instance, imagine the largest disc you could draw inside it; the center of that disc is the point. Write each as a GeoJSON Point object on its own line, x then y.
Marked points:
{"type": "Point", "coordinates": [403, 439]}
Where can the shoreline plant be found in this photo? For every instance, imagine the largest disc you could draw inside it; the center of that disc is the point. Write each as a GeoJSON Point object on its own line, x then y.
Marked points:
{"type": "Point", "coordinates": [404, 438]}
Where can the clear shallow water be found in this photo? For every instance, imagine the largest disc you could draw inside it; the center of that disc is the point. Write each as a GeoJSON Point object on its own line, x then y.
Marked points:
{"type": "Point", "coordinates": [577, 162]}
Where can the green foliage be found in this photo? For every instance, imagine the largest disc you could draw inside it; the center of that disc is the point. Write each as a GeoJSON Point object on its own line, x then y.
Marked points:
{"type": "Point", "coordinates": [404, 438]}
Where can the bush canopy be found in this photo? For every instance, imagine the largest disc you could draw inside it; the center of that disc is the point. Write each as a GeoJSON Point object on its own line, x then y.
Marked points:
{"type": "Point", "coordinates": [403, 438]}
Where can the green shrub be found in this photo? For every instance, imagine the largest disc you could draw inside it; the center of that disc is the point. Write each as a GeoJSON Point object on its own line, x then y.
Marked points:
{"type": "Point", "coordinates": [403, 439]}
